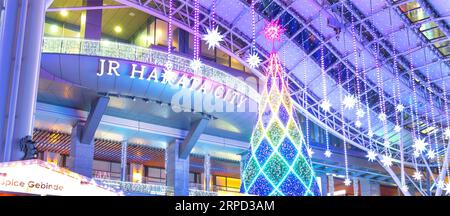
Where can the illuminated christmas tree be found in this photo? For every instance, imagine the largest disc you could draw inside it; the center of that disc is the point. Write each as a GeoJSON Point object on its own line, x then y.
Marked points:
{"type": "Point", "coordinates": [278, 162]}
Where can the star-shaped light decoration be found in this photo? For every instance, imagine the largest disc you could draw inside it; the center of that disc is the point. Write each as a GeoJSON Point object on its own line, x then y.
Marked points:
{"type": "Point", "coordinates": [370, 133]}
{"type": "Point", "coordinates": [371, 155]}
{"type": "Point", "coordinates": [417, 176]}
{"type": "Point", "coordinates": [358, 124]}
{"type": "Point", "coordinates": [431, 154]}
{"type": "Point", "coordinates": [386, 160]}
{"type": "Point", "coordinates": [168, 66]}
{"type": "Point", "coordinates": [420, 145]}
{"type": "Point", "coordinates": [310, 151]}
{"type": "Point", "coordinates": [440, 184]}
{"type": "Point", "coordinates": [325, 105]}
{"type": "Point", "coordinates": [349, 101]}
{"type": "Point", "coordinates": [253, 60]}
{"type": "Point", "coordinates": [447, 133]}
{"type": "Point", "coordinates": [405, 187]}
{"type": "Point", "coordinates": [399, 107]}
{"type": "Point", "coordinates": [397, 128]}
{"type": "Point", "coordinates": [327, 153]}
{"type": "Point", "coordinates": [273, 30]}
{"type": "Point", "coordinates": [416, 154]}
{"type": "Point", "coordinates": [387, 144]}
{"type": "Point", "coordinates": [196, 64]}
{"type": "Point", "coordinates": [347, 182]}
{"type": "Point", "coordinates": [382, 117]}
{"type": "Point", "coordinates": [360, 113]}
{"type": "Point", "coordinates": [447, 189]}
{"type": "Point", "coordinates": [213, 37]}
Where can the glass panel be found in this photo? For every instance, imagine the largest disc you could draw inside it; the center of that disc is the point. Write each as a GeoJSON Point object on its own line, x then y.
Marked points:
{"type": "Point", "coordinates": [417, 15]}
{"type": "Point", "coordinates": [221, 181]}
{"type": "Point", "coordinates": [101, 165]}
{"type": "Point", "coordinates": [427, 26]}
{"type": "Point", "coordinates": [175, 43]}
{"type": "Point", "coordinates": [115, 167]}
{"type": "Point", "coordinates": [153, 172]}
{"type": "Point", "coordinates": [222, 58]}
{"type": "Point", "coordinates": [207, 53]}
{"type": "Point", "coordinates": [161, 33]}
{"type": "Point", "coordinates": [445, 50]}
{"type": "Point", "coordinates": [433, 34]}
{"type": "Point", "coordinates": [409, 6]}
{"type": "Point", "coordinates": [233, 183]}
{"type": "Point", "coordinates": [236, 65]}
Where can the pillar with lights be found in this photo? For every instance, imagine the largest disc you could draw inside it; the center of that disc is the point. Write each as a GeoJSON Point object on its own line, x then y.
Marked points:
{"type": "Point", "coordinates": [278, 163]}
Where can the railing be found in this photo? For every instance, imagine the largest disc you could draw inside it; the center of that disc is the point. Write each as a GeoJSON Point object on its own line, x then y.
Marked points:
{"type": "Point", "coordinates": [154, 188]}
{"type": "Point", "coordinates": [130, 52]}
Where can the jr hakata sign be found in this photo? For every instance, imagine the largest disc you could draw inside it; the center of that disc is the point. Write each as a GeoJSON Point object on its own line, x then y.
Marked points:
{"type": "Point", "coordinates": [174, 78]}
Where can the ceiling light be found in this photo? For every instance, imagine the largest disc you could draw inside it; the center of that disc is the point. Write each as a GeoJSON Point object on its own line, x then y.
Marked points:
{"type": "Point", "coordinates": [118, 29]}
{"type": "Point", "coordinates": [132, 14]}
{"type": "Point", "coordinates": [54, 28]}
{"type": "Point", "coordinates": [64, 13]}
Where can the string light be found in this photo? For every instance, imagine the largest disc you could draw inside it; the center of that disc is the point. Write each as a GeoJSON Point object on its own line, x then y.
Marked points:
{"type": "Point", "coordinates": [325, 104]}
{"type": "Point", "coordinates": [371, 154]}
{"type": "Point", "coordinates": [447, 118]}
{"type": "Point", "coordinates": [169, 65]}
{"type": "Point", "coordinates": [431, 154]}
{"type": "Point", "coordinates": [196, 63]}
{"type": "Point", "coordinates": [347, 179]}
{"type": "Point", "coordinates": [253, 59]}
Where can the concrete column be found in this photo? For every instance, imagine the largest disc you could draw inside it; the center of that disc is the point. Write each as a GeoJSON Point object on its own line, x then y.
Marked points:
{"type": "Point", "coordinates": [29, 76]}
{"type": "Point", "coordinates": [331, 185]}
{"type": "Point", "coordinates": [93, 26]}
{"type": "Point", "coordinates": [355, 186]}
{"type": "Point", "coordinates": [207, 172]}
{"type": "Point", "coordinates": [123, 161]}
{"type": "Point", "coordinates": [177, 170]}
{"type": "Point", "coordinates": [369, 188]}
{"type": "Point", "coordinates": [20, 42]}
{"type": "Point", "coordinates": [81, 154]}
{"type": "Point", "coordinates": [323, 183]}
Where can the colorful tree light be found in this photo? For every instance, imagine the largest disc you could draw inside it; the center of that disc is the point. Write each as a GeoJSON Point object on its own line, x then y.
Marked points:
{"type": "Point", "coordinates": [278, 163]}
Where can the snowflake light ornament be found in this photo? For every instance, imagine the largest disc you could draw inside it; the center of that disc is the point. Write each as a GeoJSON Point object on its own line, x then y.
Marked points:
{"type": "Point", "coordinates": [325, 105]}
{"type": "Point", "coordinates": [213, 37]}
{"type": "Point", "coordinates": [360, 113]}
{"type": "Point", "coordinates": [397, 128]}
{"type": "Point", "coordinates": [371, 155]}
{"type": "Point", "coordinates": [417, 176]}
{"type": "Point", "coordinates": [347, 182]}
{"type": "Point", "coordinates": [431, 154]}
{"type": "Point", "coordinates": [447, 189]}
{"type": "Point", "coordinates": [399, 107]}
{"type": "Point", "coordinates": [420, 145]}
{"type": "Point", "coordinates": [310, 151]}
{"type": "Point", "coordinates": [447, 133]}
{"type": "Point", "coordinates": [349, 101]}
{"type": "Point", "coordinates": [358, 124]}
{"type": "Point", "coordinates": [327, 153]}
{"type": "Point", "coordinates": [382, 117]}
{"type": "Point", "coordinates": [386, 160]}
{"type": "Point", "coordinates": [253, 60]}
{"type": "Point", "coordinates": [196, 64]}
{"type": "Point", "coordinates": [370, 133]}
